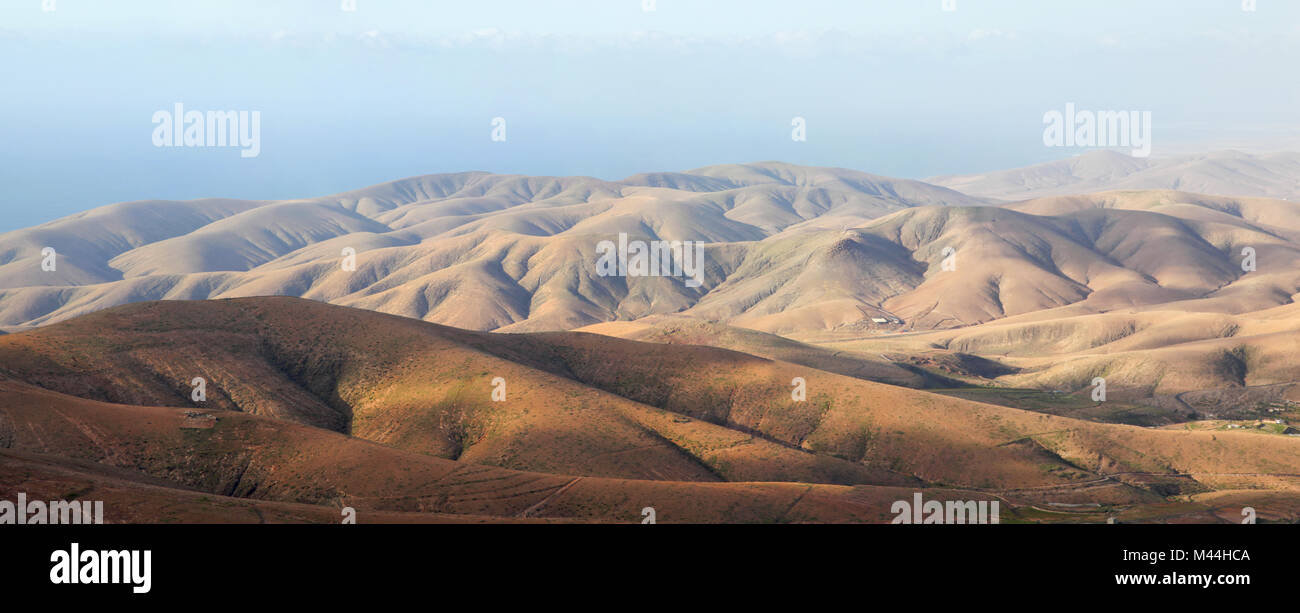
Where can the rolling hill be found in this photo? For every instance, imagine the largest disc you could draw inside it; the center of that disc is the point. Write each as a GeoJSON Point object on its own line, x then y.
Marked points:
{"type": "Point", "coordinates": [312, 404]}
{"type": "Point", "coordinates": [473, 250]}
{"type": "Point", "coordinates": [446, 347]}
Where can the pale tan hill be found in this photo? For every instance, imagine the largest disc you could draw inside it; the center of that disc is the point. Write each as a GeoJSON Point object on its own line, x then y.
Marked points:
{"type": "Point", "coordinates": [1272, 218]}
{"type": "Point", "coordinates": [244, 241]}
{"type": "Point", "coordinates": [822, 197]}
{"type": "Point", "coordinates": [86, 242]}
{"type": "Point", "coordinates": [1004, 264]}
{"type": "Point", "coordinates": [1187, 364]}
{"type": "Point", "coordinates": [1189, 322]}
{"type": "Point", "coordinates": [474, 250]}
{"type": "Point", "coordinates": [1228, 173]}
{"type": "Point", "coordinates": [788, 250]}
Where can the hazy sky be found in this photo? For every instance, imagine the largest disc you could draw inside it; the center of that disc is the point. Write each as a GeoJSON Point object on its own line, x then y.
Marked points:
{"type": "Point", "coordinates": [605, 88]}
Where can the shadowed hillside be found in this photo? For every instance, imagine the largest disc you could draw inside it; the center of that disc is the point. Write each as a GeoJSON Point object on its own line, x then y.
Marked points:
{"type": "Point", "coordinates": [288, 381]}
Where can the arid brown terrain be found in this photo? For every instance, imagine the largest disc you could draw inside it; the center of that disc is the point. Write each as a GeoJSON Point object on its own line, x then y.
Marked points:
{"type": "Point", "coordinates": [473, 366]}
{"type": "Point", "coordinates": [319, 407]}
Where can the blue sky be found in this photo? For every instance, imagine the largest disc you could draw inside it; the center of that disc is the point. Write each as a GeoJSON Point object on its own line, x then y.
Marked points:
{"type": "Point", "coordinates": [607, 89]}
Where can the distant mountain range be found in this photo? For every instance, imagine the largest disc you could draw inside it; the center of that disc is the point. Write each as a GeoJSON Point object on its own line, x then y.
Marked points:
{"type": "Point", "coordinates": [788, 249]}
{"type": "Point", "coordinates": [947, 342]}
{"type": "Point", "coordinates": [1225, 173]}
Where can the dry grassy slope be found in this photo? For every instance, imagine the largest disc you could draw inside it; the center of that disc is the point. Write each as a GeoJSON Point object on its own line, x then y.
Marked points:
{"type": "Point", "coordinates": [400, 382]}
{"type": "Point", "coordinates": [580, 403]}
{"type": "Point", "coordinates": [132, 497]}
{"type": "Point", "coordinates": [145, 466]}
{"type": "Point", "coordinates": [90, 437]}
{"type": "Point", "coordinates": [937, 438]}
